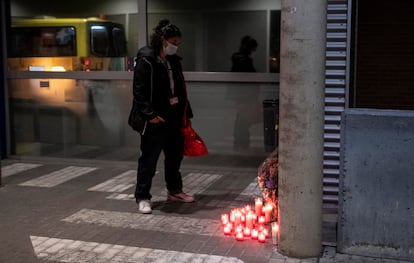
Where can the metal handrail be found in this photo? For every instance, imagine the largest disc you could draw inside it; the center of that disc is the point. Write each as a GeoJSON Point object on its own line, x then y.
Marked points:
{"type": "Point", "coordinates": [237, 77]}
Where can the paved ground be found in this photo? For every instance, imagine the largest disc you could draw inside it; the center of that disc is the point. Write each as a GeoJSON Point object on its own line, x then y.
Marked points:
{"type": "Point", "coordinates": [66, 210]}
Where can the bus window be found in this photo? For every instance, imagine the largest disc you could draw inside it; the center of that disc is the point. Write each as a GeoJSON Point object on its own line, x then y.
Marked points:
{"type": "Point", "coordinates": [100, 42]}
{"type": "Point", "coordinates": [106, 44]}
{"type": "Point", "coordinates": [43, 42]}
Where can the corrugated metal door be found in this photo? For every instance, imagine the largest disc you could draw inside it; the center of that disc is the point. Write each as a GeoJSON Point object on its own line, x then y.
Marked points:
{"type": "Point", "coordinates": [335, 81]}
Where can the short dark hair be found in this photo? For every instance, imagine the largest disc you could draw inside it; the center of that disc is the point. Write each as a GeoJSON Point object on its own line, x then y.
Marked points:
{"type": "Point", "coordinates": [247, 44]}
{"type": "Point", "coordinates": [163, 29]}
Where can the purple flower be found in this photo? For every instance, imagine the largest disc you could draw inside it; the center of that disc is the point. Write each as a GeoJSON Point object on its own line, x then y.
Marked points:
{"type": "Point", "coordinates": [270, 184]}
{"type": "Point", "coordinates": [268, 175]}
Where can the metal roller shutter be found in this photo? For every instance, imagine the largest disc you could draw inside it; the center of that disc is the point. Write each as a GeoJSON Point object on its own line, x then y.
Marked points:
{"type": "Point", "coordinates": [335, 81]}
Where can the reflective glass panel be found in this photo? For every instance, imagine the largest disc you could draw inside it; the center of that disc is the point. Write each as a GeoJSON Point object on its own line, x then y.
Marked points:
{"type": "Point", "coordinates": [78, 118]}
{"type": "Point", "coordinates": [213, 31]}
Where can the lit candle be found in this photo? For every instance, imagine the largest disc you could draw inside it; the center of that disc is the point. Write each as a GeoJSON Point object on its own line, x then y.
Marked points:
{"type": "Point", "coordinates": [247, 208]}
{"type": "Point", "coordinates": [258, 206]}
{"type": "Point", "coordinates": [246, 232]}
{"type": "Point", "coordinates": [237, 218]}
{"type": "Point", "coordinates": [261, 237]}
{"type": "Point", "coordinates": [239, 236]}
{"type": "Point", "coordinates": [262, 229]}
{"type": "Point", "coordinates": [268, 212]}
{"type": "Point", "coordinates": [232, 218]}
{"type": "Point", "coordinates": [275, 230]}
{"type": "Point", "coordinates": [249, 220]}
{"type": "Point", "coordinates": [224, 219]}
{"type": "Point", "coordinates": [254, 233]}
{"type": "Point", "coordinates": [261, 220]}
{"type": "Point", "coordinates": [227, 230]}
{"type": "Point", "coordinates": [239, 228]}
{"type": "Point", "coordinates": [265, 232]}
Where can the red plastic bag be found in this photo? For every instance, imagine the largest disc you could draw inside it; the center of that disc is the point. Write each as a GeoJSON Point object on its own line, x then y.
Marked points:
{"type": "Point", "coordinates": [193, 144]}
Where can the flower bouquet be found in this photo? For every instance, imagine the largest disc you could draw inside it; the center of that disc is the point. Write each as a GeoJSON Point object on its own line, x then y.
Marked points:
{"type": "Point", "coordinates": [268, 181]}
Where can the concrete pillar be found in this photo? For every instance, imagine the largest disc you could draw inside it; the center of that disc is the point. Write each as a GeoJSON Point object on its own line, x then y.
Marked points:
{"type": "Point", "coordinates": [302, 78]}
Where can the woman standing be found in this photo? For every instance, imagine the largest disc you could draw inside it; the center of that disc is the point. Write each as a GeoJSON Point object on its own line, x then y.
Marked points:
{"type": "Point", "coordinates": [159, 104]}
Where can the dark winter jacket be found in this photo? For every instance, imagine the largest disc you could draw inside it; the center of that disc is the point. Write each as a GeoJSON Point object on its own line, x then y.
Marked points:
{"type": "Point", "coordinates": [242, 62]}
{"type": "Point", "coordinates": [152, 92]}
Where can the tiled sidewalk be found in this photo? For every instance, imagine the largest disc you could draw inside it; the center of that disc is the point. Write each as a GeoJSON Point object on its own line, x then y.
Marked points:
{"type": "Point", "coordinates": [64, 210]}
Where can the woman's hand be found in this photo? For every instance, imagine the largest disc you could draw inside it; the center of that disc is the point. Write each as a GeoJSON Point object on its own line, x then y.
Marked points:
{"type": "Point", "coordinates": [157, 119]}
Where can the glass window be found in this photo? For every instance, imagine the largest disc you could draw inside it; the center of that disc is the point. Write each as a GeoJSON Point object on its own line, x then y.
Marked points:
{"type": "Point", "coordinates": [100, 41]}
{"type": "Point", "coordinates": [107, 41]}
{"type": "Point", "coordinates": [76, 44]}
{"type": "Point", "coordinates": [84, 118]}
{"type": "Point", "coordinates": [84, 115]}
{"type": "Point", "coordinates": [212, 32]}
{"type": "Point", "coordinates": [43, 41]}
{"type": "Point", "coordinates": [119, 42]}
{"type": "Point", "coordinates": [274, 41]}
{"type": "Point", "coordinates": [382, 55]}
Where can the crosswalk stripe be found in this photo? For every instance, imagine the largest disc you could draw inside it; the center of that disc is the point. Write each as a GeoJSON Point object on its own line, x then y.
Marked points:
{"type": "Point", "coordinates": [117, 184]}
{"type": "Point", "coordinates": [71, 251]}
{"type": "Point", "coordinates": [58, 177]}
{"type": "Point", "coordinates": [17, 168]}
{"type": "Point", "coordinates": [161, 223]}
{"type": "Point", "coordinates": [121, 197]}
{"type": "Point", "coordinates": [250, 192]}
{"type": "Point", "coordinates": [194, 183]}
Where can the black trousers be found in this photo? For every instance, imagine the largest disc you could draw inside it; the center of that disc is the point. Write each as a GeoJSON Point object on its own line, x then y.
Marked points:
{"type": "Point", "coordinates": [160, 137]}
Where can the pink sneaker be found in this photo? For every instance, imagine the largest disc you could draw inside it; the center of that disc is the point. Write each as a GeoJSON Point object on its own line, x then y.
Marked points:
{"type": "Point", "coordinates": [181, 197]}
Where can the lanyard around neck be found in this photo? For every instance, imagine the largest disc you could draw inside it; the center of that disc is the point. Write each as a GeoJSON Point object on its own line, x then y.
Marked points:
{"type": "Point", "coordinates": [170, 76]}
{"type": "Point", "coordinates": [167, 64]}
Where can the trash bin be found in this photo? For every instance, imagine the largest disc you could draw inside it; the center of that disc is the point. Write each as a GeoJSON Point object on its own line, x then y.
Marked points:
{"type": "Point", "coordinates": [270, 124]}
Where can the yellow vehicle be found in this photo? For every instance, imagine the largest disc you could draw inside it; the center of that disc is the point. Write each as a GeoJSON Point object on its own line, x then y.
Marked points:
{"type": "Point", "coordinates": [66, 44]}
{"type": "Point", "coordinates": [60, 111]}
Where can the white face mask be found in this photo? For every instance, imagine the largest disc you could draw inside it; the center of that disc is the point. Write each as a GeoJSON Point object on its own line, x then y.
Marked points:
{"type": "Point", "coordinates": [170, 49]}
